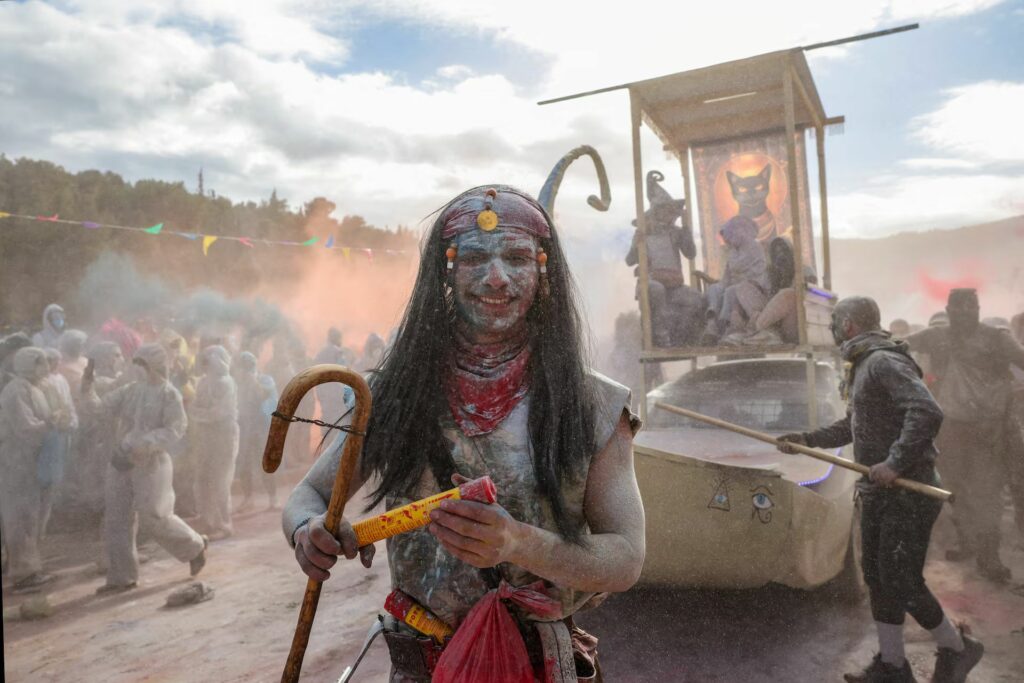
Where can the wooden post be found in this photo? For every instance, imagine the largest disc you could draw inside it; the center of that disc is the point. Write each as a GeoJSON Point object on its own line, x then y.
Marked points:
{"type": "Point", "coordinates": [826, 251]}
{"type": "Point", "coordinates": [812, 392]}
{"type": "Point", "coordinates": [684, 163]}
{"type": "Point", "coordinates": [638, 187]}
{"type": "Point", "coordinates": [794, 204]}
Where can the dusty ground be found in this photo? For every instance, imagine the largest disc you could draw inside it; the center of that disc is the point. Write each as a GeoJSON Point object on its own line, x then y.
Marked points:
{"type": "Point", "coordinates": [244, 632]}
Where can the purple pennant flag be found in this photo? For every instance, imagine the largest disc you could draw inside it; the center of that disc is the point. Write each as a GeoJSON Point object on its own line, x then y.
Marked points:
{"type": "Point", "coordinates": [90, 224]}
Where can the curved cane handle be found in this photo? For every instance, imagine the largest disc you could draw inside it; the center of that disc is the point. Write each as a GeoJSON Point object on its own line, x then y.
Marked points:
{"type": "Point", "coordinates": [293, 393]}
{"type": "Point", "coordinates": [547, 195]}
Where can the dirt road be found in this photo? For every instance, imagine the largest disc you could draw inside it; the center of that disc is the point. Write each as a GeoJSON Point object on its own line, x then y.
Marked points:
{"type": "Point", "coordinates": [244, 632]}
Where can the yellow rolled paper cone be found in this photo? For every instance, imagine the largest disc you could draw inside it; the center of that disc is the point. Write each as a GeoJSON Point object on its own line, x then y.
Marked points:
{"type": "Point", "coordinates": [417, 514]}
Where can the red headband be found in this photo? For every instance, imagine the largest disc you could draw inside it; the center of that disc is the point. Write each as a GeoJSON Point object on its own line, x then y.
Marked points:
{"type": "Point", "coordinates": [491, 208]}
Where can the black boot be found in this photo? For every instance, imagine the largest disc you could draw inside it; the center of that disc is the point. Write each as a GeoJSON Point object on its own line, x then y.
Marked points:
{"type": "Point", "coordinates": [881, 672]}
{"type": "Point", "coordinates": [952, 666]}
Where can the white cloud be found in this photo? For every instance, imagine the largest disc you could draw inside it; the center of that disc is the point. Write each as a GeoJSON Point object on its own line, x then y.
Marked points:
{"type": "Point", "coordinates": [925, 202]}
{"type": "Point", "coordinates": [938, 164]}
{"type": "Point", "coordinates": [156, 89]}
{"type": "Point", "coordinates": [979, 122]}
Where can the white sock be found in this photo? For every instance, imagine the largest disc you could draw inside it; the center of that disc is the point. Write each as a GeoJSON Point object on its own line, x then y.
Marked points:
{"type": "Point", "coordinates": [948, 635]}
{"type": "Point", "coordinates": [890, 643]}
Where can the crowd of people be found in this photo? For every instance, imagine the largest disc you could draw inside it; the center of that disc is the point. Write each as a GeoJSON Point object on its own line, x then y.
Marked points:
{"type": "Point", "coordinates": [143, 428]}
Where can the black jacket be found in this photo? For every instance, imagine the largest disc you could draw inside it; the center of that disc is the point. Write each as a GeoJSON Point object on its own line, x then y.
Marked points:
{"type": "Point", "coordinates": [891, 416]}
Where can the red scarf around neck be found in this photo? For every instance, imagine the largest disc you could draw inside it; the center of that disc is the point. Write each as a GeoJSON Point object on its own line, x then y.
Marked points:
{"type": "Point", "coordinates": [485, 382]}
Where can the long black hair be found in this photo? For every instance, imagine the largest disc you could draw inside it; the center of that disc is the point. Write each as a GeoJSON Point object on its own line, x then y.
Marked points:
{"type": "Point", "coordinates": [404, 434]}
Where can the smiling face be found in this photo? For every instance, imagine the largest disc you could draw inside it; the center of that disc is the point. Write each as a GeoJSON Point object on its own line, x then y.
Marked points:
{"type": "Point", "coordinates": [495, 282]}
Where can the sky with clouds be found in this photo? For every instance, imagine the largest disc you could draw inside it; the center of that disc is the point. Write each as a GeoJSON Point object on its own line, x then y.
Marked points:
{"type": "Point", "coordinates": [390, 108]}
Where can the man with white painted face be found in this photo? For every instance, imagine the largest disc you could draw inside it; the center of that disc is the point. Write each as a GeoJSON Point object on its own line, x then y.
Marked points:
{"type": "Point", "coordinates": [488, 376]}
{"type": "Point", "coordinates": [892, 420]}
{"type": "Point", "coordinates": [971, 362]}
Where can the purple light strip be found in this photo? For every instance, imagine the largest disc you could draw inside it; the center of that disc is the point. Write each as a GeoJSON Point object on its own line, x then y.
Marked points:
{"type": "Point", "coordinates": [825, 476]}
{"type": "Point", "coordinates": [821, 292]}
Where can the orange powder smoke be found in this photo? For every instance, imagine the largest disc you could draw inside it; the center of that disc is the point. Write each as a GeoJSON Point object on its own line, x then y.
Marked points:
{"type": "Point", "coordinates": [355, 294]}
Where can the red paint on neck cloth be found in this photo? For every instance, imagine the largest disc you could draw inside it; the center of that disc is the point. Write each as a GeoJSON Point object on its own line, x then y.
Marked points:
{"type": "Point", "coordinates": [485, 382]}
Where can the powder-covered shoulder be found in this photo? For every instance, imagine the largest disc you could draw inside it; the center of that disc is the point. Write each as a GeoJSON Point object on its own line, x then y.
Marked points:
{"type": "Point", "coordinates": [612, 400]}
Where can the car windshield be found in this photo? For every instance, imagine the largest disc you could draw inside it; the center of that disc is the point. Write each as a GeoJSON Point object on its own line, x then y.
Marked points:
{"type": "Point", "coordinates": [761, 396]}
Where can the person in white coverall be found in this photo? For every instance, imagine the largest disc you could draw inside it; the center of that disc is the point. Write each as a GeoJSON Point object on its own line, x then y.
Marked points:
{"type": "Point", "coordinates": [25, 421]}
{"type": "Point", "coordinates": [53, 328]}
{"type": "Point", "coordinates": [257, 399]}
{"type": "Point", "coordinates": [214, 414]}
{"type": "Point", "coordinates": [57, 444]}
{"type": "Point", "coordinates": [149, 418]}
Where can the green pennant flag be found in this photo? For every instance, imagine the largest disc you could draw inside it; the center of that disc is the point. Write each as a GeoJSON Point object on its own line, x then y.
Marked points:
{"type": "Point", "coordinates": [155, 229]}
{"type": "Point", "coordinates": [310, 242]}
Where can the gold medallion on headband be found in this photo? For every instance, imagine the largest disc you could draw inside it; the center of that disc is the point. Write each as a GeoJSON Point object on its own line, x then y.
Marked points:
{"type": "Point", "coordinates": [487, 220]}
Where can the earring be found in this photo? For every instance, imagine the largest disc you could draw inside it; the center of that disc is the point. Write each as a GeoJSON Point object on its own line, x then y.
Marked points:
{"type": "Point", "coordinates": [449, 273]}
{"type": "Point", "coordinates": [542, 259]}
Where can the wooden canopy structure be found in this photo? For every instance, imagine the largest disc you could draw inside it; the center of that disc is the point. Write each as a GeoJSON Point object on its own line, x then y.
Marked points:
{"type": "Point", "coordinates": [768, 93]}
{"type": "Point", "coordinates": [757, 95]}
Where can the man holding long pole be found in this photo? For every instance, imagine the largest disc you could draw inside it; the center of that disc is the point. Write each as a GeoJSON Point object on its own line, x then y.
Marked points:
{"type": "Point", "coordinates": [892, 421]}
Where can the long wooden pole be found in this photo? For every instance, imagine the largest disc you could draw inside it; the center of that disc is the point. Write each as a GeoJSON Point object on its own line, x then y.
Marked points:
{"type": "Point", "coordinates": [641, 229]}
{"type": "Point", "coordinates": [910, 485]}
{"type": "Point", "coordinates": [293, 393]}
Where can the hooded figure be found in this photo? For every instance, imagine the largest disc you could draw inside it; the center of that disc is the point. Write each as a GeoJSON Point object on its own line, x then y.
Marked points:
{"type": "Point", "coordinates": [95, 439]}
{"type": "Point", "coordinates": [214, 416]}
{"type": "Point", "coordinates": [373, 353]}
{"type": "Point", "coordinates": [53, 328]}
{"type": "Point", "coordinates": [735, 300]}
{"type": "Point", "coordinates": [971, 364]}
{"type": "Point", "coordinates": [148, 418]}
{"type": "Point", "coordinates": [332, 396]}
{"type": "Point", "coordinates": [25, 421]}
{"type": "Point", "coordinates": [8, 347]}
{"type": "Point", "coordinates": [73, 360]}
{"type": "Point", "coordinates": [257, 399]}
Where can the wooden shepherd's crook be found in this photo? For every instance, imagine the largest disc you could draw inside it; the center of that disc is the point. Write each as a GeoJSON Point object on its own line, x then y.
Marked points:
{"type": "Point", "coordinates": [910, 485]}
{"type": "Point", "coordinates": [296, 389]}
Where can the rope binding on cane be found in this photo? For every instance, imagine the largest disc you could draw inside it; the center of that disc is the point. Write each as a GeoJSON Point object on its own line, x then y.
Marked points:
{"type": "Point", "coordinates": [318, 423]}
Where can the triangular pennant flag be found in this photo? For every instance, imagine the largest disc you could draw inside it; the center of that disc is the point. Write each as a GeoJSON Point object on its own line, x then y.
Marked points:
{"type": "Point", "coordinates": [330, 242]}
{"type": "Point", "coordinates": [346, 252]}
{"type": "Point", "coordinates": [52, 219]}
{"type": "Point", "coordinates": [154, 229]}
{"type": "Point", "coordinates": [189, 235]}
{"type": "Point", "coordinates": [310, 242]}
{"type": "Point", "coordinates": [90, 224]}
{"type": "Point", "coordinates": [4, 214]}
{"type": "Point", "coordinates": [207, 241]}
{"type": "Point", "coordinates": [245, 241]}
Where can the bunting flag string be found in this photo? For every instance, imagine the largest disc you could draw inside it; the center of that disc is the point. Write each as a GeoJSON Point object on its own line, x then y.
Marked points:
{"type": "Point", "coordinates": [207, 239]}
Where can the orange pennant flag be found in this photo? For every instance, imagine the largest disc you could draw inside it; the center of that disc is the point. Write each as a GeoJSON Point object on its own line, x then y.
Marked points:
{"type": "Point", "coordinates": [207, 241]}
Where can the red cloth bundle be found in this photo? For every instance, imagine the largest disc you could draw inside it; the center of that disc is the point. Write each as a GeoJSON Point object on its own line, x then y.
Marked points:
{"type": "Point", "coordinates": [487, 645]}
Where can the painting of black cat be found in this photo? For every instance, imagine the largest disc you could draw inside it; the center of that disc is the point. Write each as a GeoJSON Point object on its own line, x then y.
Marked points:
{"type": "Point", "coordinates": [751, 193]}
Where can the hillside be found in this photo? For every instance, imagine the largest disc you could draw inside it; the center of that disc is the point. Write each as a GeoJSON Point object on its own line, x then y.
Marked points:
{"type": "Point", "coordinates": [910, 274]}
